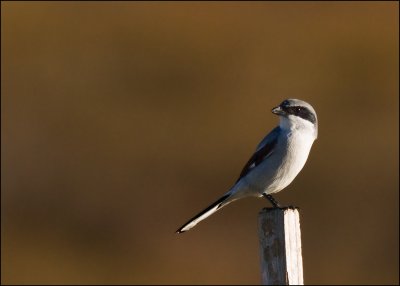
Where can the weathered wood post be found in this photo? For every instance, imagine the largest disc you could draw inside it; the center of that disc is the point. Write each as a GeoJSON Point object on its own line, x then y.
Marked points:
{"type": "Point", "coordinates": [280, 247]}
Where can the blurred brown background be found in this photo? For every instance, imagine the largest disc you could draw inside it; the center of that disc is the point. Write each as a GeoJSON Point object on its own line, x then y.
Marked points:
{"type": "Point", "coordinates": [121, 120]}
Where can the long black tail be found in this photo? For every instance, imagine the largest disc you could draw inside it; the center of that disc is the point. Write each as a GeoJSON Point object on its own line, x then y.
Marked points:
{"type": "Point", "coordinates": [205, 213]}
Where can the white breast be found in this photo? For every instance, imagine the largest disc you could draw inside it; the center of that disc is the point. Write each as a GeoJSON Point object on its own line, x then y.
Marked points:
{"type": "Point", "coordinates": [294, 148]}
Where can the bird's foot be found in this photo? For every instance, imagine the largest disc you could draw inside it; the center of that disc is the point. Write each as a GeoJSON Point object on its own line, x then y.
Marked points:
{"type": "Point", "coordinates": [276, 205]}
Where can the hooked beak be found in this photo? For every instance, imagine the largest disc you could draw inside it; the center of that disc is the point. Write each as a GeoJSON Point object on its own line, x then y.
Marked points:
{"type": "Point", "coordinates": [278, 110]}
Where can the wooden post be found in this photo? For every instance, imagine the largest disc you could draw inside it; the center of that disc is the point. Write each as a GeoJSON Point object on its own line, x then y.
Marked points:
{"type": "Point", "coordinates": [280, 247]}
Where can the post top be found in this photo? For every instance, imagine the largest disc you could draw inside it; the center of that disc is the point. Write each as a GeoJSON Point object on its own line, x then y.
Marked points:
{"type": "Point", "coordinates": [282, 209]}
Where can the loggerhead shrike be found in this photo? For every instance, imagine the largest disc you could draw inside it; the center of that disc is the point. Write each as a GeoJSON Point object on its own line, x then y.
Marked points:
{"type": "Point", "coordinates": [278, 158]}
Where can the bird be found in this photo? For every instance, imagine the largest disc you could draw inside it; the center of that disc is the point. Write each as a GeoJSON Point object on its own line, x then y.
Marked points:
{"type": "Point", "coordinates": [277, 160]}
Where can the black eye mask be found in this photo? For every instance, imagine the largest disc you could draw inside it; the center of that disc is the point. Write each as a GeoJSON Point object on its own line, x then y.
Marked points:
{"type": "Point", "coordinates": [300, 111]}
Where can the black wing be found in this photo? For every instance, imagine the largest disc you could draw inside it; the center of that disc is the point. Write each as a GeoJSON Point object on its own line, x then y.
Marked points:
{"type": "Point", "coordinates": [260, 154]}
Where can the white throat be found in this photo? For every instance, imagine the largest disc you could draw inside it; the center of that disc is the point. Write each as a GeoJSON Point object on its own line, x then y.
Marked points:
{"type": "Point", "coordinates": [297, 124]}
